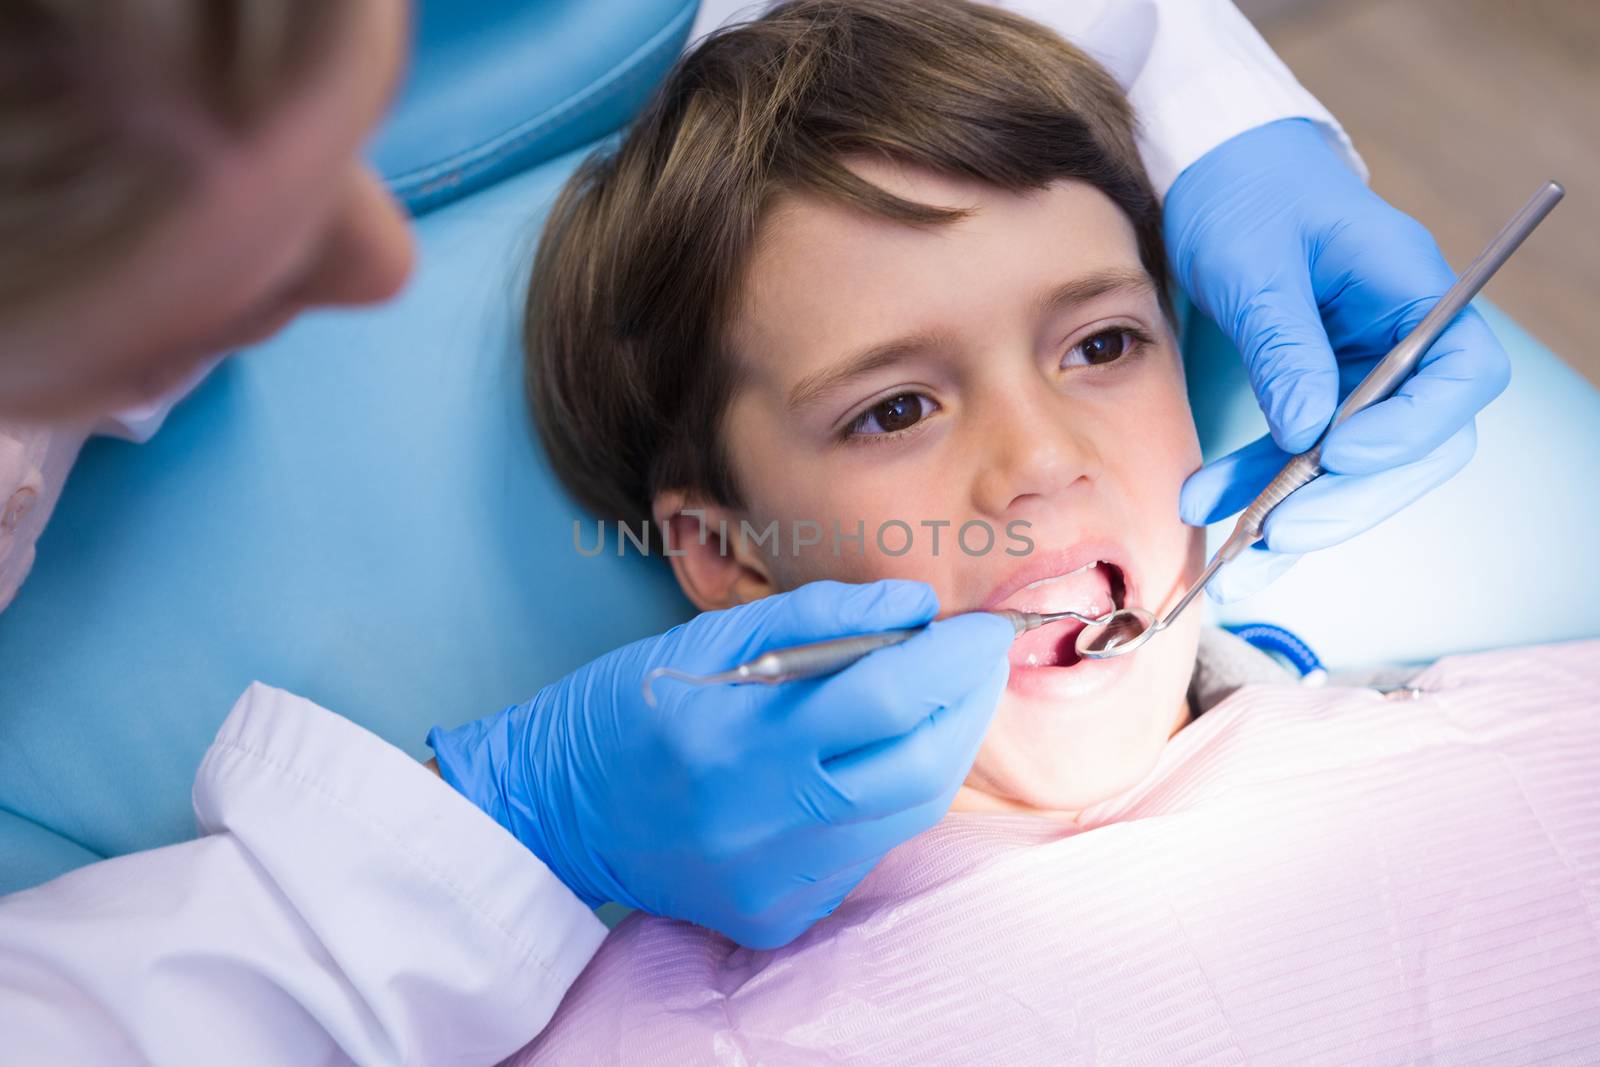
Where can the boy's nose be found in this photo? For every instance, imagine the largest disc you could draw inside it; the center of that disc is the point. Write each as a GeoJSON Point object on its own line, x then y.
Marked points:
{"type": "Point", "coordinates": [1033, 451]}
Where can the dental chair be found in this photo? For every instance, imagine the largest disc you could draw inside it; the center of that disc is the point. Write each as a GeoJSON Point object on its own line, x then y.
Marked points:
{"type": "Point", "coordinates": [358, 510]}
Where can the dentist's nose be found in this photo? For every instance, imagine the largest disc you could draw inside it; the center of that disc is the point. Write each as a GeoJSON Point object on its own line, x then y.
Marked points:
{"type": "Point", "coordinates": [368, 251]}
{"type": "Point", "coordinates": [1034, 451]}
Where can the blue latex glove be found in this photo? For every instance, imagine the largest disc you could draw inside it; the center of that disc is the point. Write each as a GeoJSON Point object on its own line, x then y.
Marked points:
{"type": "Point", "coordinates": [1315, 278]}
{"type": "Point", "coordinates": [749, 809]}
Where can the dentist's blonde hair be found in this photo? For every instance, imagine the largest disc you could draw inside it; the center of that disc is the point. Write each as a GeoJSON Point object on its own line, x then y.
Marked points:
{"type": "Point", "coordinates": [103, 104]}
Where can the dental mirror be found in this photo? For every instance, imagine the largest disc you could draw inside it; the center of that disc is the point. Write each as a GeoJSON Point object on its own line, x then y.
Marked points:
{"type": "Point", "coordinates": [1121, 631]}
{"type": "Point", "coordinates": [1129, 629]}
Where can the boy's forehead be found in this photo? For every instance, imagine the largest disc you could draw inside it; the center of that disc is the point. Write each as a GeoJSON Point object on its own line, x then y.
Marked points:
{"type": "Point", "coordinates": [920, 185]}
{"type": "Point", "coordinates": [829, 276]}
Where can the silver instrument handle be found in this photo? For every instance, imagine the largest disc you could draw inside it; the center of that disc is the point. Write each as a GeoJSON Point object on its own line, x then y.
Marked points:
{"type": "Point", "coordinates": [822, 657]}
{"type": "Point", "coordinates": [1299, 471]}
{"type": "Point", "coordinates": [1403, 358]}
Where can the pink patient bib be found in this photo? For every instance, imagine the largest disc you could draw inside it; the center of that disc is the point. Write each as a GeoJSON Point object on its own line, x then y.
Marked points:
{"type": "Point", "coordinates": [1307, 876]}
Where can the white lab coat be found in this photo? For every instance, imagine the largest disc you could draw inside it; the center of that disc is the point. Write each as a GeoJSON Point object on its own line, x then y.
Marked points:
{"type": "Point", "coordinates": [342, 903]}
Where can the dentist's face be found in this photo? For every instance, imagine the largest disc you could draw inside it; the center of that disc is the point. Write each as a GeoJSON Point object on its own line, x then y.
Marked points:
{"type": "Point", "coordinates": [283, 219]}
{"type": "Point", "coordinates": [1012, 368]}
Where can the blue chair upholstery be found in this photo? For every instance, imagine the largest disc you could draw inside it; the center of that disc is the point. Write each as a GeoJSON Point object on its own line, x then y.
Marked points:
{"type": "Point", "coordinates": [498, 86]}
{"type": "Point", "coordinates": [32, 854]}
{"type": "Point", "coordinates": [357, 511]}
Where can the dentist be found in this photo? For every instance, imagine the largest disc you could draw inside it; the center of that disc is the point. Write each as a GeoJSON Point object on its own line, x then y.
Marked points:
{"type": "Point", "coordinates": [179, 178]}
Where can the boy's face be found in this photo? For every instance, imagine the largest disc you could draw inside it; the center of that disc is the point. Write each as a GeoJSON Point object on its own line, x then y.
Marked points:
{"type": "Point", "coordinates": [1012, 370]}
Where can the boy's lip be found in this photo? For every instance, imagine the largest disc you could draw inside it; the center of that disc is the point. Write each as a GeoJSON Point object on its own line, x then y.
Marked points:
{"type": "Point", "coordinates": [1013, 592]}
{"type": "Point", "coordinates": [1049, 651]}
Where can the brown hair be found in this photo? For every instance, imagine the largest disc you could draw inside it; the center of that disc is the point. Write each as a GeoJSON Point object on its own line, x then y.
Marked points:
{"type": "Point", "coordinates": [628, 372]}
{"type": "Point", "coordinates": [100, 102]}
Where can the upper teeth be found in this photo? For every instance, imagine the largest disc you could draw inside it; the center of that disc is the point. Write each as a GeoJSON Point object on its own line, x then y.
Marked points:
{"type": "Point", "coordinates": [1048, 581]}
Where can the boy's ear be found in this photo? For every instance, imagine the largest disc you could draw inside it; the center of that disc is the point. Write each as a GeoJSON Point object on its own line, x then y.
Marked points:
{"type": "Point", "coordinates": [714, 566]}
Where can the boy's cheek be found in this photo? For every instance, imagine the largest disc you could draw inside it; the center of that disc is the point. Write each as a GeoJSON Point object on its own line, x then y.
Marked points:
{"type": "Point", "coordinates": [849, 561]}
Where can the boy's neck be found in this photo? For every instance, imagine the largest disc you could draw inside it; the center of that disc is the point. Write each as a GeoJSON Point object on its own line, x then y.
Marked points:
{"type": "Point", "coordinates": [971, 800]}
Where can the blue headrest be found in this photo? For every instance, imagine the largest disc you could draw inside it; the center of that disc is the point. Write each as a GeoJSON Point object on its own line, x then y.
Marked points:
{"type": "Point", "coordinates": [498, 86]}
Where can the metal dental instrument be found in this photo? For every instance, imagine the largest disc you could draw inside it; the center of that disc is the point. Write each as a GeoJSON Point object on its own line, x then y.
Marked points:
{"type": "Point", "coordinates": [1129, 628]}
{"type": "Point", "coordinates": [829, 657]}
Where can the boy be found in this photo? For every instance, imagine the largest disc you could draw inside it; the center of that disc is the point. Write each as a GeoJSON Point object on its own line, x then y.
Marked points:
{"type": "Point", "coordinates": [892, 267]}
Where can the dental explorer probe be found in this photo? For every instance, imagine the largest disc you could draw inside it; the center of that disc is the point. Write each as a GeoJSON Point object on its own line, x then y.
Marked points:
{"type": "Point", "coordinates": [1128, 628]}
{"type": "Point", "coordinates": [829, 657]}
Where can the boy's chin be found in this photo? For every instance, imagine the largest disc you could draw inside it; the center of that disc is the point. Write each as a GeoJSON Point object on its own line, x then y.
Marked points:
{"type": "Point", "coordinates": [1057, 744]}
{"type": "Point", "coordinates": [1041, 757]}
{"type": "Point", "coordinates": [1090, 785]}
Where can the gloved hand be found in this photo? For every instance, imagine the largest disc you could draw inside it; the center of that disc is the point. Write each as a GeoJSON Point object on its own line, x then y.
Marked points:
{"type": "Point", "coordinates": [749, 809]}
{"type": "Point", "coordinates": [1315, 278]}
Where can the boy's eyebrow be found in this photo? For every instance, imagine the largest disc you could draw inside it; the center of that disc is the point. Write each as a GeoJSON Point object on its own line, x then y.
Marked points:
{"type": "Point", "coordinates": [816, 386]}
{"type": "Point", "coordinates": [1089, 286]}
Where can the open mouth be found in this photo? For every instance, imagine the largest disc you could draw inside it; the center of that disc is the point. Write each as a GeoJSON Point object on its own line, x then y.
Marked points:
{"type": "Point", "coordinates": [1093, 589]}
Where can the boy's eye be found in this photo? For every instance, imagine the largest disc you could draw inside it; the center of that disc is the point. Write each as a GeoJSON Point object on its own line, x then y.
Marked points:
{"type": "Point", "coordinates": [892, 415]}
{"type": "Point", "coordinates": [1103, 347]}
